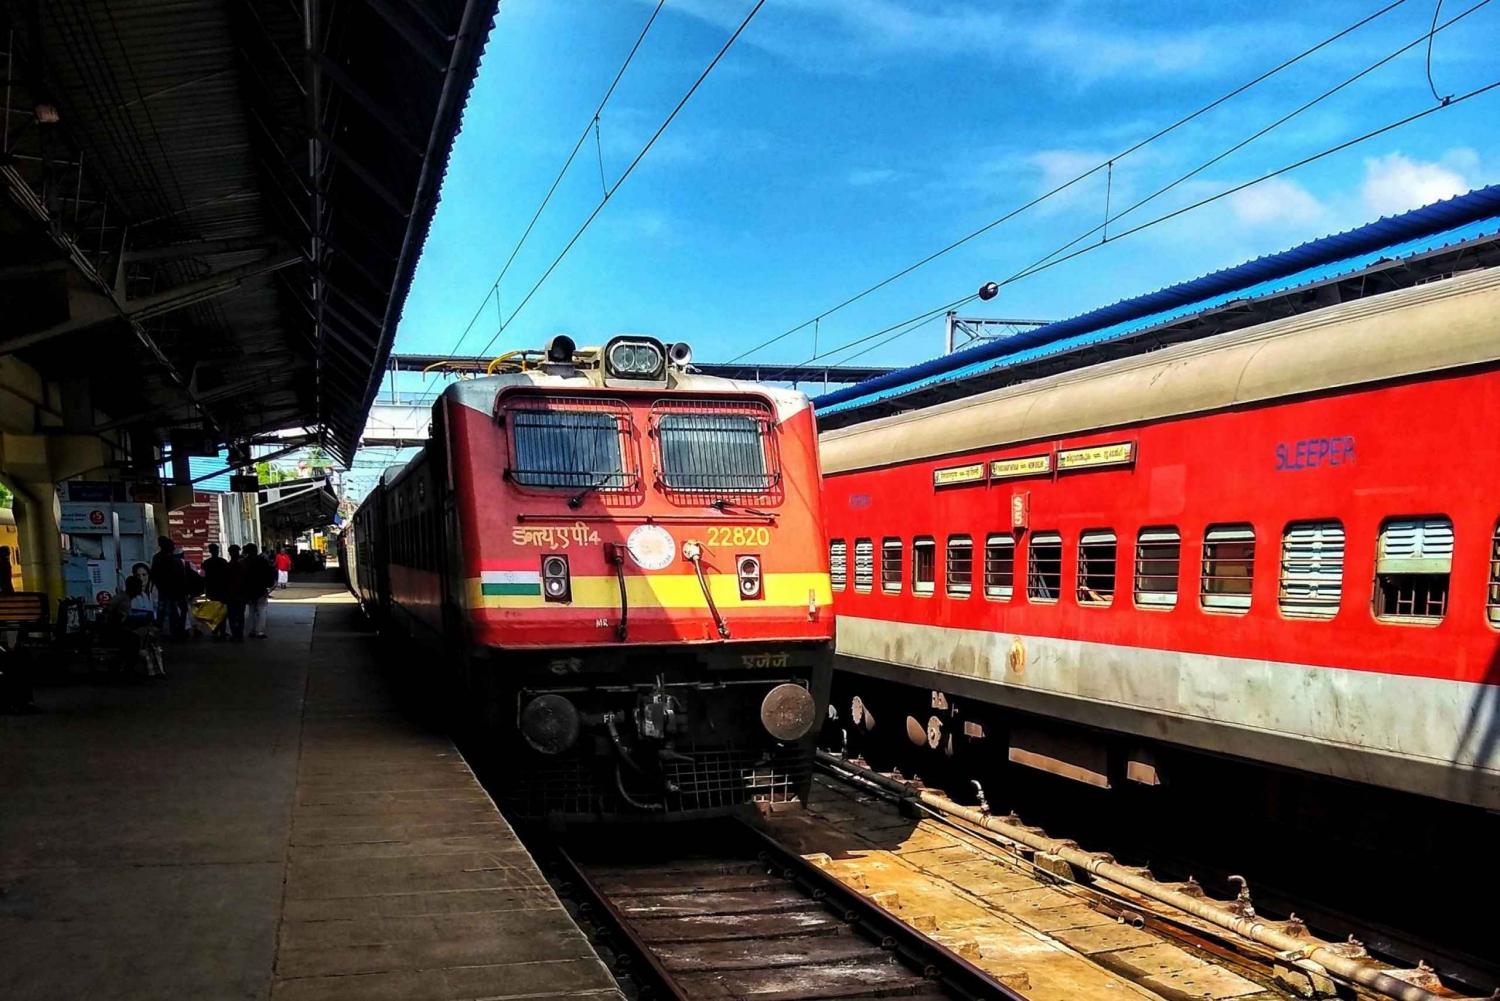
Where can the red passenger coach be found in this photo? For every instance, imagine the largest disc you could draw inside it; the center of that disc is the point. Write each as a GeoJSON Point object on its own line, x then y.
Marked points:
{"type": "Point", "coordinates": [1281, 543]}
{"type": "Point", "coordinates": [623, 563]}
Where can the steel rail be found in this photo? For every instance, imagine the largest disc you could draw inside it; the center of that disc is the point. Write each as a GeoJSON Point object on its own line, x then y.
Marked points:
{"type": "Point", "coordinates": [1249, 926]}
{"type": "Point", "coordinates": [937, 962]}
{"type": "Point", "coordinates": [948, 971]}
{"type": "Point", "coordinates": [603, 908]}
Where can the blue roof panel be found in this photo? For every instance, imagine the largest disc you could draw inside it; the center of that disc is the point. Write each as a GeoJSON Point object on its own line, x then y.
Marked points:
{"type": "Point", "coordinates": [1456, 220]}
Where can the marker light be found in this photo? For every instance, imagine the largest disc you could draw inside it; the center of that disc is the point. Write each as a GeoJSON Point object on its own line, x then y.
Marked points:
{"type": "Point", "coordinates": [634, 359]}
{"type": "Point", "coordinates": [556, 584]}
{"type": "Point", "coordinates": [749, 573]}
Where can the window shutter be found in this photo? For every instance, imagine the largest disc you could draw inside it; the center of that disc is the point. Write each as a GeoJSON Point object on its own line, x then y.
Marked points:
{"type": "Point", "coordinates": [864, 564]}
{"type": "Point", "coordinates": [838, 564]}
{"type": "Point", "coordinates": [1416, 545]}
{"type": "Point", "coordinates": [1312, 568]}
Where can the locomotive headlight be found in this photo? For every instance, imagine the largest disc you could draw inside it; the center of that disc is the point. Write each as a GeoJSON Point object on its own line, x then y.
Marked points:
{"type": "Point", "coordinates": [634, 358]}
{"type": "Point", "coordinates": [556, 583]}
{"type": "Point", "coordinates": [749, 574]}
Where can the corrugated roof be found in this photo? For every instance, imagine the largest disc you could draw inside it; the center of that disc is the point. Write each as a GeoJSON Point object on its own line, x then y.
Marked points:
{"type": "Point", "coordinates": [218, 146]}
{"type": "Point", "coordinates": [1454, 221]}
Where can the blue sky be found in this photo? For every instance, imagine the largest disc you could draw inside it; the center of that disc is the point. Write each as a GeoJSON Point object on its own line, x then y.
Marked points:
{"type": "Point", "coordinates": [841, 140]}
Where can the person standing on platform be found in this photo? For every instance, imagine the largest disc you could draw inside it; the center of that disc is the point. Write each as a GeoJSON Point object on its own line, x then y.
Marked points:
{"type": "Point", "coordinates": [7, 585]}
{"type": "Point", "coordinates": [169, 578]}
{"type": "Point", "coordinates": [283, 567]}
{"type": "Point", "coordinates": [235, 594]}
{"type": "Point", "coordinates": [216, 586]}
{"type": "Point", "coordinates": [260, 577]}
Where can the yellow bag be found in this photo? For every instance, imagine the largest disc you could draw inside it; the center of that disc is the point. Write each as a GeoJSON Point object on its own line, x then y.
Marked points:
{"type": "Point", "coordinates": [209, 615]}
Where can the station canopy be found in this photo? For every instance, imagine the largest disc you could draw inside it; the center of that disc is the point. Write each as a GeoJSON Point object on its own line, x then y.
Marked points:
{"type": "Point", "coordinates": [291, 507]}
{"type": "Point", "coordinates": [211, 212]}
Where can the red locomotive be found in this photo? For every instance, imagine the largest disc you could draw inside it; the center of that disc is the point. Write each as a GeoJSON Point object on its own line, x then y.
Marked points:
{"type": "Point", "coordinates": [1280, 543]}
{"type": "Point", "coordinates": [623, 564]}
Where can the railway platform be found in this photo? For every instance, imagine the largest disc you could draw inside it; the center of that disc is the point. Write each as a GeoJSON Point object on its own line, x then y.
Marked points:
{"type": "Point", "coordinates": [264, 823]}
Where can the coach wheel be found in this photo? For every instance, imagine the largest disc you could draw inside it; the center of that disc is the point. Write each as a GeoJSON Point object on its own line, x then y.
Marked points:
{"type": "Point", "coordinates": [934, 732]}
{"type": "Point", "coordinates": [861, 715]}
{"type": "Point", "coordinates": [915, 732]}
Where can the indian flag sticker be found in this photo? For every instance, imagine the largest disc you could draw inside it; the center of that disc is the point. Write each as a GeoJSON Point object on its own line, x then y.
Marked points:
{"type": "Point", "coordinates": [522, 582]}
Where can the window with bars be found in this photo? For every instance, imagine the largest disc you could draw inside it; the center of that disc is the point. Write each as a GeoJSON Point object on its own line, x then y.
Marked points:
{"type": "Point", "coordinates": [1413, 561]}
{"type": "Point", "coordinates": [923, 565]}
{"type": "Point", "coordinates": [838, 564]}
{"type": "Point", "coordinates": [890, 565]}
{"type": "Point", "coordinates": [1096, 568]}
{"type": "Point", "coordinates": [999, 567]}
{"type": "Point", "coordinates": [1158, 566]}
{"type": "Point", "coordinates": [714, 452]}
{"type": "Point", "coordinates": [1312, 569]}
{"type": "Point", "coordinates": [958, 578]}
{"type": "Point", "coordinates": [1044, 567]}
{"type": "Point", "coordinates": [576, 449]}
{"type": "Point", "coordinates": [1492, 599]}
{"type": "Point", "coordinates": [1228, 567]}
{"type": "Point", "coordinates": [864, 565]}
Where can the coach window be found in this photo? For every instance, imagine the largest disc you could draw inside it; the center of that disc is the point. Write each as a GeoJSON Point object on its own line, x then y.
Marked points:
{"type": "Point", "coordinates": [1158, 564]}
{"type": "Point", "coordinates": [1414, 557]}
{"type": "Point", "coordinates": [1044, 567]}
{"type": "Point", "coordinates": [958, 577]}
{"type": "Point", "coordinates": [1228, 567]}
{"type": "Point", "coordinates": [890, 566]}
{"type": "Point", "coordinates": [923, 565]}
{"type": "Point", "coordinates": [838, 564]}
{"type": "Point", "coordinates": [999, 567]}
{"type": "Point", "coordinates": [1096, 568]}
{"type": "Point", "coordinates": [1492, 599]}
{"type": "Point", "coordinates": [864, 565]}
{"type": "Point", "coordinates": [1312, 569]}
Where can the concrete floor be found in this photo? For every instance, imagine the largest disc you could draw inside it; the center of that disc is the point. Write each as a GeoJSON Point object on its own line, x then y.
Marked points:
{"type": "Point", "coordinates": [260, 823]}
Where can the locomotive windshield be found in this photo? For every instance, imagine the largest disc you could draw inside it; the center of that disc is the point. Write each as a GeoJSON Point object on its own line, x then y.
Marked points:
{"type": "Point", "coordinates": [568, 448]}
{"type": "Point", "coordinates": [714, 452]}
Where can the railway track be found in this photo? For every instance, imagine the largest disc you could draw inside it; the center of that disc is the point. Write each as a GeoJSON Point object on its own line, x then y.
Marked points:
{"type": "Point", "coordinates": [752, 919]}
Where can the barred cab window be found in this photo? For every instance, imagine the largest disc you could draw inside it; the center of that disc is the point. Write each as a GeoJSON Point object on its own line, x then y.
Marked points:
{"type": "Point", "coordinates": [1312, 569]}
{"type": "Point", "coordinates": [1096, 568]}
{"type": "Point", "coordinates": [999, 567]}
{"type": "Point", "coordinates": [1044, 567]}
{"type": "Point", "coordinates": [1413, 560]}
{"type": "Point", "coordinates": [1158, 565]}
{"type": "Point", "coordinates": [958, 578]}
{"type": "Point", "coordinates": [890, 566]}
{"type": "Point", "coordinates": [838, 564]}
{"type": "Point", "coordinates": [568, 448]}
{"type": "Point", "coordinates": [864, 565]}
{"type": "Point", "coordinates": [707, 452]}
{"type": "Point", "coordinates": [1228, 567]}
{"type": "Point", "coordinates": [923, 565]}
{"type": "Point", "coordinates": [1492, 599]}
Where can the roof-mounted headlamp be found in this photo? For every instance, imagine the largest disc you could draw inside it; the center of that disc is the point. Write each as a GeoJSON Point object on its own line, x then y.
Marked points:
{"type": "Point", "coordinates": [635, 358]}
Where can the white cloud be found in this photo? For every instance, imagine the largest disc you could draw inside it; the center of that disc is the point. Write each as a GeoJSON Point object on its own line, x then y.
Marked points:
{"type": "Point", "coordinates": [877, 175]}
{"type": "Point", "coordinates": [1395, 182]}
{"type": "Point", "coordinates": [851, 36]}
{"type": "Point", "coordinates": [1276, 201]}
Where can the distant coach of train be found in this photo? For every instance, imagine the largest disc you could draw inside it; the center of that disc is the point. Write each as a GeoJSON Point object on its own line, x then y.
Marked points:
{"type": "Point", "coordinates": [618, 564]}
{"type": "Point", "coordinates": [1281, 543]}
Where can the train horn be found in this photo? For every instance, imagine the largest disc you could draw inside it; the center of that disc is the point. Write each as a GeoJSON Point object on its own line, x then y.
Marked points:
{"type": "Point", "coordinates": [680, 354]}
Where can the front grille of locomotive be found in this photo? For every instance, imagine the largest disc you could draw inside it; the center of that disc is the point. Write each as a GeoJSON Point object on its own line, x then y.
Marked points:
{"type": "Point", "coordinates": [717, 780]}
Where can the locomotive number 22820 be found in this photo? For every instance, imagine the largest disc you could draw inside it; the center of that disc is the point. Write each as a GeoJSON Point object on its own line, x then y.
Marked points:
{"type": "Point", "coordinates": [738, 535]}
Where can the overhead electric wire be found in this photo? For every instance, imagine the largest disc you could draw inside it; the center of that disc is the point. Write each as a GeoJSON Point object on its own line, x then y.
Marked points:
{"type": "Point", "coordinates": [1051, 260]}
{"type": "Point", "coordinates": [1083, 176]}
{"type": "Point", "coordinates": [1426, 36]}
{"type": "Point", "coordinates": [628, 170]}
{"type": "Point", "coordinates": [583, 136]}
